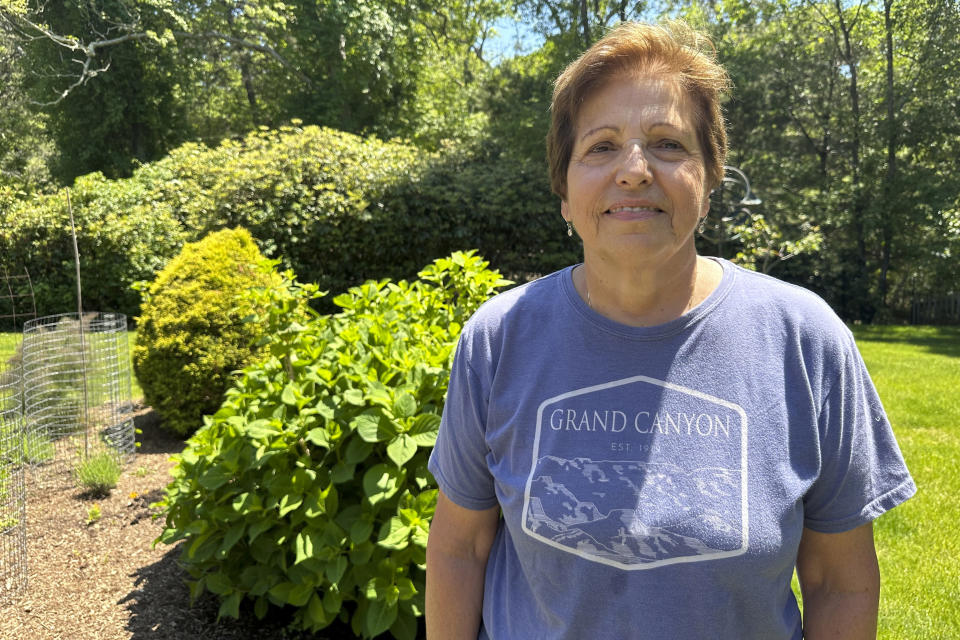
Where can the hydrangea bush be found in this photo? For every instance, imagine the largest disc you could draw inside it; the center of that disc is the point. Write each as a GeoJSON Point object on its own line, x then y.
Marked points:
{"type": "Point", "coordinates": [309, 487]}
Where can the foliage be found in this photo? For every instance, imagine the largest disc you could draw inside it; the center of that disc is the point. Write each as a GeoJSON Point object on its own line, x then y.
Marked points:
{"type": "Point", "coordinates": [848, 137]}
{"type": "Point", "coordinates": [93, 514]}
{"type": "Point", "coordinates": [99, 473]}
{"type": "Point", "coordinates": [124, 82]}
{"type": "Point", "coordinates": [122, 236]}
{"type": "Point", "coordinates": [308, 195]}
{"type": "Point", "coordinates": [191, 335]}
{"type": "Point", "coordinates": [309, 486]}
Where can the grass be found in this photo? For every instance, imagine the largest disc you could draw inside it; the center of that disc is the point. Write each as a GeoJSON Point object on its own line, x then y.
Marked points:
{"type": "Point", "coordinates": [99, 473]}
{"type": "Point", "coordinates": [8, 344]}
{"type": "Point", "coordinates": [917, 373]}
{"type": "Point", "coordinates": [10, 340]}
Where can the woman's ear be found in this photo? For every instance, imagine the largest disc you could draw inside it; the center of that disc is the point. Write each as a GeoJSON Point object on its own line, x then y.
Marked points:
{"type": "Point", "coordinates": [564, 210]}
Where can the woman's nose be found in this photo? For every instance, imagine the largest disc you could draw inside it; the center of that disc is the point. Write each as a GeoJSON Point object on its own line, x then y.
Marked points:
{"type": "Point", "coordinates": [634, 169]}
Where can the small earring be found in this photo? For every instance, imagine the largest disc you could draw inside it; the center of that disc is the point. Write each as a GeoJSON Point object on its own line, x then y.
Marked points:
{"type": "Point", "coordinates": [569, 229]}
{"type": "Point", "coordinates": [702, 225]}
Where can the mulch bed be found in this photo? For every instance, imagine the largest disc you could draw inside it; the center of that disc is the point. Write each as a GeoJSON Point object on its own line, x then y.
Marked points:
{"type": "Point", "coordinates": [105, 579]}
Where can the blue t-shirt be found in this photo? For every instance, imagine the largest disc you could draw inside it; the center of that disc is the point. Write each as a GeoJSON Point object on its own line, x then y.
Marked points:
{"type": "Point", "coordinates": [654, 482]}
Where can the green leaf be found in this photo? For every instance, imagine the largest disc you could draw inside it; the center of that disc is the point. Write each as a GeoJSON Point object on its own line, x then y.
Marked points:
{"type": "Point", "coordinates": [233, 534]}
{"type": "Point", "coordinates": [372, 426]}
{"type": "Point", "coordinates": [260, 429]}
{"type": "Point", "coordinates": [291, 593]}
{"type": "Point", "coordinates": [319, 437]}
{"type": "Point", "coordinates": [316, 616]}
{"type": "Point", "coordinates": [259, 527]}
{"type": "Point", "coordinates": [336, 568]}
{"type": "Point", "coordinates": [424, 429]}
{"type": "Point", "coordinates": [304, 545]}
{"type": "Point", "coordinates": [288, 503]}
{"type": "Point", "coordinates": [341, 472]}
{"type": "Point", "coordinates": [214, 478]}
{"type": "Point", "coordinates": [379, 617]}
{"type": "Point", "coordinates": [401, 449]}
{"type": "Point", "coordinates": [357, 450]}
{"type": "Point", "coordinates": [260, 608]}
{"type": "Point", "coordinates": [354, 397]}
{"type": "Point", "coordinates": [219, 583]}
{"type": "Point", "coordinates": [300, 594]}
{"type": "Point", "coordinates": [380, 483]}
{"type": "Point", "coordinates": [405, 405]}
{"type": "Point", "coordinates": [406, 587]}
{"type": "Point", "coordinates": [394, 534]}
{"type": "Point", "coordinates": [332, 601]}
{"type": "Point", "coordinates": [289, 395]}
{"type": "Point", "coordinates": [230, 607]}
{"type": "Point", "coordinates": [404, 627]}
{"type": "Point", "coordinates": [360, 530]}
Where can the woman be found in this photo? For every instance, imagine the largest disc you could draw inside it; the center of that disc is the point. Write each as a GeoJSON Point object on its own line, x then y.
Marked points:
{"type": "Point", "coordinates": [666, 436]}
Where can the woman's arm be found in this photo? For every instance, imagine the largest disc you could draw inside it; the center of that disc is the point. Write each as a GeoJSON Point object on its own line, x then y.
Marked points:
{"type": "Point", "coordinates": [457, 552]}
{"type": "Point", "coordinates": [840, 583]}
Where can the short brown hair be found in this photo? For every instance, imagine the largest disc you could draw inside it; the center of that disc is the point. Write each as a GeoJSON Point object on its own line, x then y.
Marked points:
{"type": "Point", "coordinates": [671, 48]}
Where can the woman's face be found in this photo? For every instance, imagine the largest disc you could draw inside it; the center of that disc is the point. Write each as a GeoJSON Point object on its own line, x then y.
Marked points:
{"type": "Point", "coordinates": [636, 183]}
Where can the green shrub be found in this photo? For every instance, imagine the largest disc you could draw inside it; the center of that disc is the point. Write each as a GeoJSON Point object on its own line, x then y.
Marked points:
{"type": "Point", "coordinates": [337, 208]}
{"type": "Point", "coordinates": [122, 236]}
{"type": "Point", "coordinates": [309, 487]}
{"type": "Point", "coordinates": [191, 335]}
{"type": "Point", "coordinates": [99, 473]}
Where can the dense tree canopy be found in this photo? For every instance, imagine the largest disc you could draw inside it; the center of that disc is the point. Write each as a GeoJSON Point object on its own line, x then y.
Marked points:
{"type": "Point", "coordinates": [844, 113]}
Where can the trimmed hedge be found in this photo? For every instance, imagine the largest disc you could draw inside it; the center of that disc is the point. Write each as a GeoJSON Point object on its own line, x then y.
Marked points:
{"type": "Point", "coordinates": [123, 237]}
{"type": "Point", "coordinates": [191, 335]}
{"type": "Point", "coordinates": [336, 208]}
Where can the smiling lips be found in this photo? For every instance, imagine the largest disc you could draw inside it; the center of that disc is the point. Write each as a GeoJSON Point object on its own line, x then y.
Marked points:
{"type": "Point", "coordinates": [633, 211]}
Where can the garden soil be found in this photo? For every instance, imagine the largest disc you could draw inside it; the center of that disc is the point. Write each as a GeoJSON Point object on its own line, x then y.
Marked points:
{"type": "Point", "coordinates": [105, 580]}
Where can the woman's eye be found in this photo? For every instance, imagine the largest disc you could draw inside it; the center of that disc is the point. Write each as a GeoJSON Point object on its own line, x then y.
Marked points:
{"type": "Point", "coordinates": [600, 147]}
{"type": "Point", "coordinates": [671, 145]}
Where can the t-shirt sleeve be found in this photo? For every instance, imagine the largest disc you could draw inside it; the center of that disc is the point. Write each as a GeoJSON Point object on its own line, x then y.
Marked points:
{"type": "Point", "coordinates": [862, 472]}
{"type": "Point", "coordinates": [459, 458]}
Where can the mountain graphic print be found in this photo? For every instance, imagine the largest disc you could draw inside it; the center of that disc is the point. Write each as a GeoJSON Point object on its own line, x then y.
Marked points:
{"type": "Point", "coordinates": [639, 473]}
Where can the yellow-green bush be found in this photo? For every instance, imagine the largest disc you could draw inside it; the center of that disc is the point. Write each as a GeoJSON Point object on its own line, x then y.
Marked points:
{"type": "Point", "coordinates": [191, 335]}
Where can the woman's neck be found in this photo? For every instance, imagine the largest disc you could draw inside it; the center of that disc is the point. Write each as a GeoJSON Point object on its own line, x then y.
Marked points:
{"type": "Point", "coordinates": [647, 297]}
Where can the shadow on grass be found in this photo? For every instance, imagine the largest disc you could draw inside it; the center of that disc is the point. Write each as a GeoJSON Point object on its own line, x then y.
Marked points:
{"type": "Point", "coordinates": [940, 340]}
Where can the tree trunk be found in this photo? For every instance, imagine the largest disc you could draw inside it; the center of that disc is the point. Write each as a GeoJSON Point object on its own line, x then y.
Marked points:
{"type": "Point", "coordinates": [585, 19]}
{"type": "Point", "coordinates": [891, 176]}
{"type": "Point", "coordinates": [858, 206]}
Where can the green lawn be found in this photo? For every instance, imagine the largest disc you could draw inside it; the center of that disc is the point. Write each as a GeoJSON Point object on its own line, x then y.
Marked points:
{"type": "Point", "coordinates": [9, 342]}
{"type": "Point", "coordinates": [917, 372]}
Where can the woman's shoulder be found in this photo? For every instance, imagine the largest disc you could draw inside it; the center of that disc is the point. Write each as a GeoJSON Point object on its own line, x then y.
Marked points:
{"type": "Point", "coordinates": [778, 296]}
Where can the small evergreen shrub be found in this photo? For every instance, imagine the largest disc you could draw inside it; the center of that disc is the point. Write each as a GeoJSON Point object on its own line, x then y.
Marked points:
{"type": "Point", "coordinates": [309, 487]}
{"type": "Point", "coordinates": [191, 335]}
{"type": "Point", "coordinates": [99, 473]}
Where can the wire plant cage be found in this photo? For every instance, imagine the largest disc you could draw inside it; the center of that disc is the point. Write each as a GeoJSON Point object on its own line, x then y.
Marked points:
{"type": "Point", "coordinates": [76, 391]}
{"type": "Point", "coordinates": [17, 303]}
{"type": "Point", "coordinates": [13, 525]}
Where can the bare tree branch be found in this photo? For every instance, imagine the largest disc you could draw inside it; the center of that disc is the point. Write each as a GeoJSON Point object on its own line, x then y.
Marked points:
{"type": "Point", "coordinates": [22, 27]}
